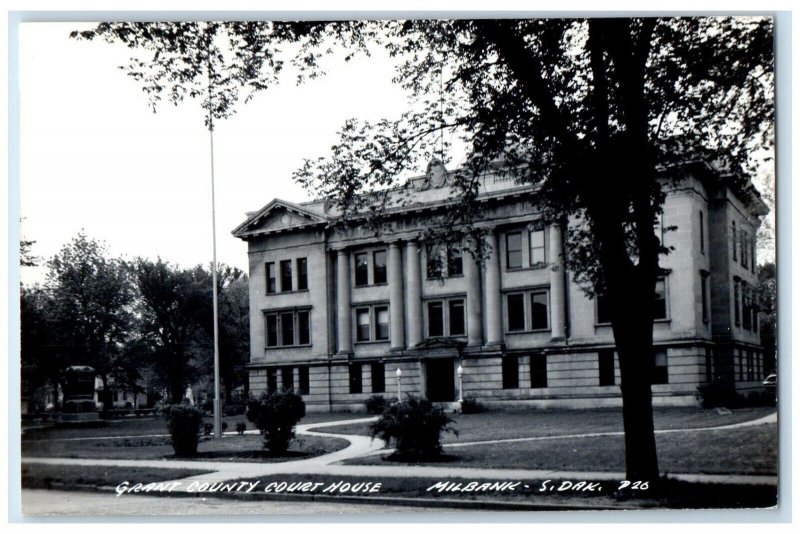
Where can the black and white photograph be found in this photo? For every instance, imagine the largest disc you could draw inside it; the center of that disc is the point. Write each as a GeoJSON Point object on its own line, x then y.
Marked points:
{"type": "Point", "coordinates": [379, 266]}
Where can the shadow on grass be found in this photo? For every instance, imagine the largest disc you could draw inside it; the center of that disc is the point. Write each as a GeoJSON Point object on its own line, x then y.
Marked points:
{"type": "Point", "coordinates": [245, 455]}
{"type": "Point", "coordinates": [399, 458]}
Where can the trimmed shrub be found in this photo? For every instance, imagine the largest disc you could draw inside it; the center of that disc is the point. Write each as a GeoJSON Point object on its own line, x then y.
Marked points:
{"type": "Point", "coordinates": [376, 404]}
{"type": "Point", "coordinates": [184, 423]}
{"type": "Point", "coordinates": [275, 415]}
{"type": "Point", "coordinates": [469, 405]}
{"type": "Point", "coordinates": [415, 426]}
{"type": "Point", "coordinates": [240, 428]}
{"type": "Point", "coordinates": [718, 395]}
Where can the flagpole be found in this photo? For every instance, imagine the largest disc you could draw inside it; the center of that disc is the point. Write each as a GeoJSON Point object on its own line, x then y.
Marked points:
{"type": "Point", "coordinates": [217, 407]}
{"type": "Point", "coordinates": [217, 414]}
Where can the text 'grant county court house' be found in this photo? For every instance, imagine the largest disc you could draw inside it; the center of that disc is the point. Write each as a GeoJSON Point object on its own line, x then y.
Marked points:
{"type": "Point", "coordinates": [335, 313]}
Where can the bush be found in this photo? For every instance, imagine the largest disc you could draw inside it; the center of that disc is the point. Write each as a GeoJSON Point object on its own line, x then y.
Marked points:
{"type": "Point", "coordinates": [208, 428]}
{"type": "Point", "coordinates": [718, 395]}
{"type": "Point", "coordinates": [472, 406]}
{"type": "Point", "coordinates": [415, 425]}
{"type": "Point", "coordinates": [376, 404]}
{"type": "Point", "coordinates": [276, 415]}
{"type": "Point", "coordinates": [184, 423]}
{"type": "Point", "coordinates": [240, 428]}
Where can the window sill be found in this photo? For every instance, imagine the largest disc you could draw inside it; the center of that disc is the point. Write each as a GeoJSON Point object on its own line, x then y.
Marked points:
{"type": "Point", "coordinates": [278, 347]}
{"type": "Point", "coordinates": [436, 278]}
{"type": "Point", "coordinates": [371, 341]}
{"type": "Point", "coordinates": [367, 286]}
{"type": "Point", "coordinates": [537, 331]}
{"type": "Point", "coordinates": [536, 267]}
{"type": "Point", "coordinates": [286, 292]}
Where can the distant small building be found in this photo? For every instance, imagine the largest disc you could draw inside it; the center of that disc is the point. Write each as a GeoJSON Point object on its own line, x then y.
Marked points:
{"type": "Point", "coordinates": [335, 314]}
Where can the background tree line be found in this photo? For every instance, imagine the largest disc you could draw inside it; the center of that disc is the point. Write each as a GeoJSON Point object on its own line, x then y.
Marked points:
{"type": "Point", "coordinates": [144, 325]}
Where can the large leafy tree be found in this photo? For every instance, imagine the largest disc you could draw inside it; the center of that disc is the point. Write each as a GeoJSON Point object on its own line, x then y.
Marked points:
{"type": "Point", "coordinates": [41, 360]}
{"type": "Point", "coordinates": [90, 297]}
{"type": "Point", "coordinates": [171, 304]}
{"type": "Point", "coordinates": [580, 107]}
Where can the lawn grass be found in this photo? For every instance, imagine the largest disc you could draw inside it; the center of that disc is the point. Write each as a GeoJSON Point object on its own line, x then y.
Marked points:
{"type": "Point", "coordinates": [247, 448]}
{"type": "Point", "coordinates": [43, 476]}
{"type": "Point", "coordinates": [749, 450]}
{"type": "Point", "coordinates": [668, 494]}
{"type": "Point", "coordinates": [153, 425]}
{"type": "Point", "coordinates": [493, 425]}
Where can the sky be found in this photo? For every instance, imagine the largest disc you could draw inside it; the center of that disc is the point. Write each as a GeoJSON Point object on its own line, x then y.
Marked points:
{"type": "Point", "coordinates": [94, 156]}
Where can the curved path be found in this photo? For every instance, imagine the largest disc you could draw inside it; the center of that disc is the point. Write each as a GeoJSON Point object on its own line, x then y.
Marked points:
{"type": "Point", "coordinates": [327, 464]}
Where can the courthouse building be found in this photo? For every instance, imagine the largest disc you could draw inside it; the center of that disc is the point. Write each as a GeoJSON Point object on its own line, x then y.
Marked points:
{"type": "Point", "coordinates": [336, 313]}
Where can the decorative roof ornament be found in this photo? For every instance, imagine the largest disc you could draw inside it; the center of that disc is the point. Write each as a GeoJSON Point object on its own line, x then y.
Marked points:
{"type": "Point", "coordinates": [436, 173]}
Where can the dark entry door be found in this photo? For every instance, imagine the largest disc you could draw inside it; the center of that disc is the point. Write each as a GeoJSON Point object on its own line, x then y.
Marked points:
{"type": "Point", "coordinates": [440, 384]}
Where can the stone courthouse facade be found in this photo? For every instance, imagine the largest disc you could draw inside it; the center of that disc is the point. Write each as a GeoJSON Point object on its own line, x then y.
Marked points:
{"type": "Point", "coordinates": [334, 314]}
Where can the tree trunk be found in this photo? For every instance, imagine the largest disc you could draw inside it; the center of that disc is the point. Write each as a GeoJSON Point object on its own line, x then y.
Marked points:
{"type": "Point", "coordinates": [176, 382]}
{"type": "Point", "coordinates": [635, 362]}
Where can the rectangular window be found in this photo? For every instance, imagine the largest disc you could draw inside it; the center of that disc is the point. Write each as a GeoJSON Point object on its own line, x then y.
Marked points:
{"type": "Point", "coordinates": [271, 280]}
{"type": "Point", "coordinates": [660, 304]}
{"type": "Point", "coordinates": [302, 274]}
{"type": "Point", "coordinates": [603, 309]}
{"type": "Point", "coordinates": [362, 324]}
{"type": "Point", "coordinates": [516, 313]}
{"type": "Point", "coordinates": [362, 269]}
{"type": "Point", "coordinates": [287, 328]}
{"type": "Point", "coordinates": [303, 328]}
{"type": "Point", "coordinates": [281, 328]}
{"type": "Point", "coordinates": [704, 294]}
{"type": "Point", "coordinates": [433, 261]}
{"type": "Point", "coordinates": [355, 377]}
{"type": "Point", "coordinates": [272, 379]}
{"type": "Point", "coordinates": [272, 330]}
{"type": "Point", "coordinates": [702, 233]}
{"type": "Point", "coordinates": [379, 267]}
{"type": "Point", "coordinates": [378, 373]}
{"type": "Point", "coordinates": [734, 237]}
{"type": "Point", "coordinates": [743, 248]}
{"type": "Point", "coordinates": [510, 372]}
{"type": "Point", "coordinates": [382, 322]}
{"type": "Point", "coordinates": [539, 314]}
{"type": "Point", "coordinates": [605, 361]}
{"type": "Point", "coordinates": [513, 250]}
{"type": "Point", "coordinates": [286, 275]}
{"type": "Point", "coordinates": [660, 370]}
{"type": "Point", "coordinates": [746, 314]}
{"type": "Point", "coordinates": [753, 255]}
{"type": "Point", "coordinates": [539, 371]}
{"type": "Point", "coordinates": [457, 318]}
{"type": "Point", "coordinates": [538, 253]}
{"type": "Point", "coordinates": [741, 364]}
{"type": "Point", "coordinates": [302, 379]}
{"type": "Point", "coordinates": [435, 319]}
{"type": "Point", "coordinates": [287, 378]}
{"type": "Point", "coordinates": [455, 261]}
{"type": "Point", "coordinates": [736, 309]}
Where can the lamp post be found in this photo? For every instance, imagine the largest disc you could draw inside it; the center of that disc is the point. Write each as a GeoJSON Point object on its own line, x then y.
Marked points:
{"type": "Point", "coordinates": [460, 372]}
{"type": "Point", "coordinates": [398, 374]}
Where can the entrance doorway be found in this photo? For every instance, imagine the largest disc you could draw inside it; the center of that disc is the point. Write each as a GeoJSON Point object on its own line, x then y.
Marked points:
{"type": "Point", "coordinates": [440, 381]}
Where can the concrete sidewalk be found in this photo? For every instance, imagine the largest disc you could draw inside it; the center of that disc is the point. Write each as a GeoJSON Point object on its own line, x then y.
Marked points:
{"type": "Point", "coordinates": [363, 445]}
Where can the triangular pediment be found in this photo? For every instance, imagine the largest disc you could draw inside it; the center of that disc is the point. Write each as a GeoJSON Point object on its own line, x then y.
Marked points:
{"type": "Point", "coordinates": [278, 215]}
